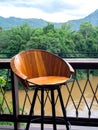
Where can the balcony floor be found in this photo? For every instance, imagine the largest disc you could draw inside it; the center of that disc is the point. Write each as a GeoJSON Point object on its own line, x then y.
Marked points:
{"type": "Point", "coordinates": [50, 128]}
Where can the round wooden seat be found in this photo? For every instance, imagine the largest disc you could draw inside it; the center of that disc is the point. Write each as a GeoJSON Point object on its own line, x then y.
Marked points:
{"type": "Point", "coordinates": [48, 80]}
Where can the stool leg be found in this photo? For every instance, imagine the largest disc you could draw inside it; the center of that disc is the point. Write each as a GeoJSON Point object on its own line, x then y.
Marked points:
{"type": "Point", "coordinates": [53, 109]}
{"type": "Point", "coordinates": [63, 109]}
{"type": "Point", "coordinates": [32, 108]}
{"type": "Point", "coordinates": [42, 108]}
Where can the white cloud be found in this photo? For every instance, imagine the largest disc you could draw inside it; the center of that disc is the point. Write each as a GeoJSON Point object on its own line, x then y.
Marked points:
{"type": "Point", "coordinates": [50, 10]}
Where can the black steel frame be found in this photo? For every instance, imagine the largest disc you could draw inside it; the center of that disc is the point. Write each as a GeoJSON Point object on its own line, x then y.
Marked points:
{"type": "Point", "coordinates": [53, 102]}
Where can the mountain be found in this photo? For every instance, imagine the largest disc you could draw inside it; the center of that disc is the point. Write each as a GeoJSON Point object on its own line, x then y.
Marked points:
{"type": "Point", "coordinates": [6, 23]}
{"type": "Point", "coordinates": [93, 18]}
{"type": "Point", "coordinates": [12, 21]}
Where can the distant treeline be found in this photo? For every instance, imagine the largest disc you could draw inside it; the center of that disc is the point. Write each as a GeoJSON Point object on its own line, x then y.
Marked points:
{"type": "Point", "coordinates": [62, 41]}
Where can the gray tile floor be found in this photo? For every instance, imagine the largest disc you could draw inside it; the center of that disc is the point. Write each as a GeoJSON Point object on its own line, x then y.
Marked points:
{"type": "Point", "coordinates": [48, 127]}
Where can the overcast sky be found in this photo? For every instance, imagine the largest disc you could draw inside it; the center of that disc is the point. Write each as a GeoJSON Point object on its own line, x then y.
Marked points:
{"type": "Point", "coordinates": [50, 10]}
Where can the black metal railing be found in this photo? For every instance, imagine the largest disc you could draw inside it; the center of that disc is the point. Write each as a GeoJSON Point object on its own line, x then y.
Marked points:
{"type": "Point", "coordinates": [80, 96]}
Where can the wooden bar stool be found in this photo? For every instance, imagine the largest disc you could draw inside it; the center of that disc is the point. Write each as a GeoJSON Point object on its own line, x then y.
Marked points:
{"type": "Point", "coordinates": [45, 72]}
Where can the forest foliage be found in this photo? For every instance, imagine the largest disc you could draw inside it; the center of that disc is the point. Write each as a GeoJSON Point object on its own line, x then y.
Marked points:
{"type": "Point", "coordinates": [62, 41]}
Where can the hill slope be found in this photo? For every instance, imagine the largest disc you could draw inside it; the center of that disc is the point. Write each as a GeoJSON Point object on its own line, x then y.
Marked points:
{"type": "Point", "coordinates": [12, 21]}
{"type": "Point", "coordinates": [7, 23]}
{"type": "Point", "coordinates": [93, 18]}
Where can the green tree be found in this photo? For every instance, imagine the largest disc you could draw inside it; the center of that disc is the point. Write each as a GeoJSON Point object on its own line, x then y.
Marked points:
{"type": "Point", "coordinates": [19, 36]}
{"type": "Point", "coordinates": [86, 29]}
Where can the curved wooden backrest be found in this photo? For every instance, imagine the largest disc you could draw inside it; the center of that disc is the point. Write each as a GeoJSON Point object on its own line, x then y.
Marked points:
{"type": "Point", "coordinates": [37, 63]}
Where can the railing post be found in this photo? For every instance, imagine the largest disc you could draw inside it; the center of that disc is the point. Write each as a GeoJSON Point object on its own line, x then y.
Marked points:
{"type": "Point", "coordinates": [15, 99]}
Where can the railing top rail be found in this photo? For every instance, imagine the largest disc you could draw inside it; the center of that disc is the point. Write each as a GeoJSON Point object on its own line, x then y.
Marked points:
{"type": "Point", "coordinates": [4, 60]}
{"type": "Point", "coordinates": [78, 63]}
{"type": "Point", "coordinates": [4, 63]}
{"type": "Point", "coordinates": [71, 60]}
{"type": "Point", "coordinates": [83, 63]}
